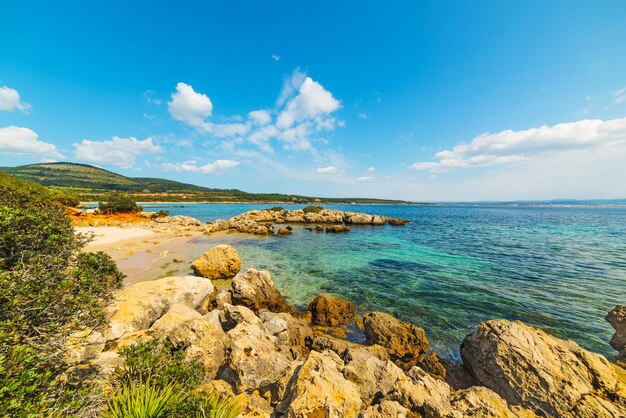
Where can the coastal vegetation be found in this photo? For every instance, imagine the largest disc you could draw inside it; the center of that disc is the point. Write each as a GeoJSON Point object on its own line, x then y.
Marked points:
{"type": "Point", "coordinates": [89, 183]}
{"type": "Point", "coordinates": [119, 203]}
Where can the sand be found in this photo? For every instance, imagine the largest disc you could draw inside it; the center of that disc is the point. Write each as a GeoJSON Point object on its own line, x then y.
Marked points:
{"type": "Point", "coordinates": [104, 235]}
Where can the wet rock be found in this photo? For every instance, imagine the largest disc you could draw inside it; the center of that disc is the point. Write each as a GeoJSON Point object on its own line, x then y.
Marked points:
{"type": "Point", "coordinates": [319, 389]}
{"type": "Point", "coordinates": [528, 367]}
{"type": "Point", "coordinates": [331, 311]}
{"type": "Point", "coordinates": [405, 342]}
{"type": "Point", "coordinates": [337, 228]}
{"type": "Point", "coordinates": [255, 290]}
{"type": "Point", "coordinates": [138, 306]}
{"type": "Point", "coordinates": [617, 319]}
{"type": "Point", "coordinates": [219, 262]}
{"type": "Point", "coordinates": [283, 232]}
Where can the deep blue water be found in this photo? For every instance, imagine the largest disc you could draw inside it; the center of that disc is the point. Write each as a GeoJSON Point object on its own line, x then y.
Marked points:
{"type": "Point", "coordinates": [561, 268]}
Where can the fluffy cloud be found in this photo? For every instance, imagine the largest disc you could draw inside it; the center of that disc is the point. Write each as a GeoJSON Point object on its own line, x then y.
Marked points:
{"type": "Point", "coordinates": [215, 167]}
{"type": "Point", "coordinates": [10, 100]}
{"type": "Point", "coordinates": [260, 117]}
{"type": "Point", "coordinates": [23, 141]}
{"type": "Point", "coordinates": [327, 170]}
{"type": "Point", "coordinates": [312, 101]}
{"type": "Point", "coordinates": [190, 107]}
{"type": "Point", "coordinates": [118, 152]}
{"type": "Point", "coordinates": [364, 179]}
{"type": "Point", "coordinates": [514, 146]}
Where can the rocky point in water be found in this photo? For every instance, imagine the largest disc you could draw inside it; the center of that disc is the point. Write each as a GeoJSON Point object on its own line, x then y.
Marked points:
{"type": "Point", "coordinates": [276, 363]}
{"type": "Point", "coordinates": [261, 222]}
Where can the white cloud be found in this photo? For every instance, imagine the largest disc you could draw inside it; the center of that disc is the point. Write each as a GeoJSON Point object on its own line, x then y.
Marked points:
{"type": "Point", "coordinates": [190, 107]}
{"type": "Point", "coordinates": [276, 57]}
{"type": "Point", "coordinates": [226, 130]}
{"type": "Point", "coordinates": [23, 141]}
{"type": "Point", "coordinates": [364, 179]}
{"type": "Point", "coordinates": [313, 100]}
{"type": "Point", "coordinates": [363, 115]}
{"type": "Point", "coordinates": [619, 96]}
{"type": "Point", "coordinates": [260, 117]}
{"type": "Point", "coordinates": [514, 146]}
{"type": "Point", "coordinates": [10, 101]}
{"type": "Point", "coordinates": [215, 167]}
{"type": "Point", "coordinates": [327, 170]}
{"type": "Point", "coordinates": [290, 86]}
{"type": "Point", "coordinates": [118, 152]}
{"type": "Point", "coordinates": [371, 169]}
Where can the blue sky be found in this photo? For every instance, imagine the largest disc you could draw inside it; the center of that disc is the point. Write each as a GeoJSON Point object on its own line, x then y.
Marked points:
{"type": "Point", "coordinates": [463, 100]}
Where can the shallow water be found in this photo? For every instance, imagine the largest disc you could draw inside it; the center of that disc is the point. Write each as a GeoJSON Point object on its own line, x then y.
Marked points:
{"type": "Point", "coordinates": [562, 268]}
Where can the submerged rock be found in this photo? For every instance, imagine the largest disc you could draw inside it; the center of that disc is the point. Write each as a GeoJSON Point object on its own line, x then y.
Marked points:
{"type": "Point", "coordinates": [219, 262]}
{"type": "Point", "coordinates": [331, 311]}
{"type": "Point", "coordinates": [337, 228]}
{"type": "Point", "coordinates": [617, 319]}
{"type": "Point", "coordinates": [283, 231]}
{"type": "Point", "coordinates": [553, 377]}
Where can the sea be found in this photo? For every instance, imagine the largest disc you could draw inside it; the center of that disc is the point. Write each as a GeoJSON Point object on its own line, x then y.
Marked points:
{"type": "Point", "coordinates": [561, 268]}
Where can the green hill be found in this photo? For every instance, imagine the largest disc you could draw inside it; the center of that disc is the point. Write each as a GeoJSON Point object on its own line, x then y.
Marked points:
{"type": "Point", "coordinates": [91, 183]}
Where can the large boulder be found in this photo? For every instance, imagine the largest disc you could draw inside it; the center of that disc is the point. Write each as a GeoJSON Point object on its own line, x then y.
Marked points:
{"type": "Point", "coordinates": [319, 389]}
{"type": "Point", "coordinates": [386, 409]}
{"type": "Point", "coordinates": [617, 319]}
{"type": "Point", "coordinates": [289, 331]}
{"type": "Point", "coordinates": [220, 262]}
{"type": "Point", "coordinates": [528, 367]}
{"type": "Point", "coordinates": [405, 342]}
{"type": "Point", "coordinates": [331, 311]}
{"type": "Point", "coordinates": [178, 313]}
{"type": "Point", "coordinates": [138, 306]}
{"type": "Point", "coordinates": [255, 290]}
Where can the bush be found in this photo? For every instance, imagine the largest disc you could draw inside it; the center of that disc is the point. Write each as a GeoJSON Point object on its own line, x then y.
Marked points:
{"type": "Point", "coordinates": [161, 364]}
{"type": "Point", "coordinates": [160, 214]}
{"type": "Point", "coordinates": [276, 209]}
{"type": "Point", "coordinates": [313, 209]}
{"type": "Point", "coordinates": [49, 289]}
{"type": "Point", "coordinates": [119, 203]}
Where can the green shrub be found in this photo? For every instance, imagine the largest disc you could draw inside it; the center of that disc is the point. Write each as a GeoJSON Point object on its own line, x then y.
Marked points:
{"type": "Point", "coordinates": [119, 203]}
{"type": "Point", "coordinates": [49, 289]}
{"type": "Point", "coordinates": [312, 209]}
{"type": "Point", "coordinates": [160, 214]}
{"type": "Point", "coordinates": [143, 400]}
{"type": "Point", "coordinates": [162, 364]}
{"type": "Point", "coordinates": [276, 209]}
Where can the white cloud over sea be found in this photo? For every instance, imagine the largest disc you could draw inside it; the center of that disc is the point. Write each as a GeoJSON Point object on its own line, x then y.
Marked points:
{"type": "Point", "coordinates": [117, 152]}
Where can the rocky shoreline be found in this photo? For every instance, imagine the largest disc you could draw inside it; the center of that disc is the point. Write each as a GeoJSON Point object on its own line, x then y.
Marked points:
{"type": "Point", "coordinates": [278, 362]}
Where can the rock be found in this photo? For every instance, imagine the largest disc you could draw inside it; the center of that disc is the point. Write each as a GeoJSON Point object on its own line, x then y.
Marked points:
{"type": "Point", "coordinates": [236, 314]}
{"type": "Point", "coordinates": [331, 311]}
{"type": "Point", "coordinates": [530, 368]}
{"type": "Point", "coordinates": [617, 319]}
{"type": "Point", "coordinates": [405, 342]}
{"type": "Point", "coordinates": [479, 401]}
{"type": "Point", "coordinates": [139, 305]}
{"type": "Point", "coordinates": [318, 228]}
{"type": "Point", "coordinates": [357, 218]}
{"type": "Point", "coordinates": [323, 342]}
{"type": "Point", "coordinates": [386, 409]}
{"type": "Point", "coordinates": [431, 363]}
{"type": "Point", "coordinates": [396, 221]}
{"type": "Point", "coordinates": [255, 290]}
{"type": "Point", "coordinates": [253, 406]}
{"type": "Point", "coordinates": [337, 228]}
{"type": "Point", "coordinates": [254, 362]}
{"type": "Point", "coordinates": [83, 345]}
{"type": "Point", "coordinates": [218, 225]}
{"type": "Point", "coordinates": [220, 262]}
{"type": "Point", "coordinates": [289, 331]}
{"type": "Point", "coordinates": [283, 232]}
{"type": "Point", "coordinates": [176, 314]}
{"type": "Point", "coordinates": [179, 220]}
{"type": "Point", "coordinates": [320, 390]}
{"type": "Point", "coordinates": [203, 341]}
{"type": "Point", "coordinates": [222, 297]}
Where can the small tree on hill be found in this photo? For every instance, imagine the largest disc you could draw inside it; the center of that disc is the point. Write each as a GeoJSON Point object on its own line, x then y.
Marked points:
{"type": "Point", "coordinates": [119, 203]}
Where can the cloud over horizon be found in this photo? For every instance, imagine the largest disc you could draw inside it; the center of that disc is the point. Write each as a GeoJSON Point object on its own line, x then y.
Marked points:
{"type": "Point", "coordinates": [24, 141]}
{"type": "Point", "coordinates": [511, 146]}
{"type": "Point", "coordinates": [117, 152]}
{"type": "Point", "coordinates": [215, 167]}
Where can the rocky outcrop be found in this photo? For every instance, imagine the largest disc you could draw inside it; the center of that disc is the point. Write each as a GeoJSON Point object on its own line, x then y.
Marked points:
{"type": "Point", "coordinates": [283, 232]}
{"type": "Point", "coordinates": [255, 290]}
{"type": "Point", "coordinates": [330, 311]}
{"type": "Point", "coordinates": [140, 305]}
{"type": "Point", "coordinates": [617, 319]}
{"type": "Point", "coordinates": [406, 343]}
{"type": "Point", "coordinates": [319, 389]}
{"type": "Point", "coordinates": [260, 222]}
{"type": "Point", "coordinates": [219, 262]}
{"type": "Point", "coordinates": [553, 377]}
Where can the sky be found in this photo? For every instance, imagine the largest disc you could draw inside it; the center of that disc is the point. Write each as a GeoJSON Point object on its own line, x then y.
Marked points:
{"type": "Point", "coordinates": [416, 100]}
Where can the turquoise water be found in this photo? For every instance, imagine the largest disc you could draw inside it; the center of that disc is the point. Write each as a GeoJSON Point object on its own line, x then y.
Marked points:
{"type": "Point", "coordinates": [561, 268]}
